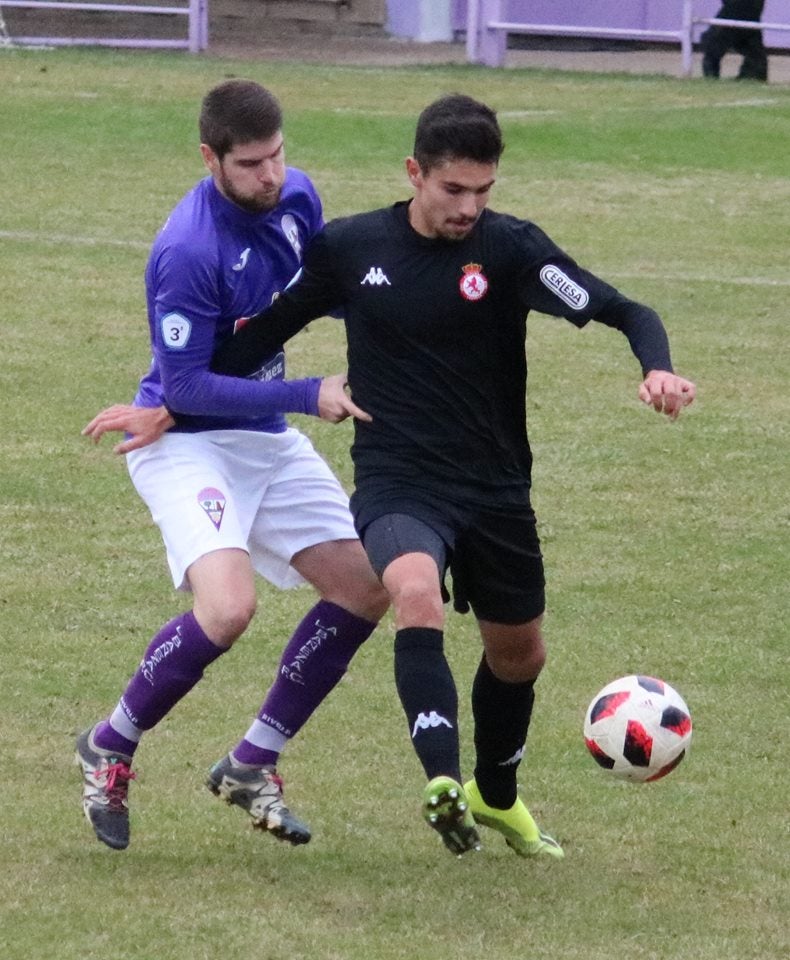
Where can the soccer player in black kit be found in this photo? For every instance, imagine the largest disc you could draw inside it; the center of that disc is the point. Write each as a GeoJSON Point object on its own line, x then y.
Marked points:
{"type": "Point", "coordinates": [435, 292]}
{"type": "Point", "coordinates": [716, 41]}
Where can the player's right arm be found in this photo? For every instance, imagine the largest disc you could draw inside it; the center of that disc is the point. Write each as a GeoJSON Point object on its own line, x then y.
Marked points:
{"type": "Point", "coordinates": [190, 386]}
{"type": "Point", "coordinates": [143, 425]}
{"type": "Point", "coordinates": [187, 321]}
{"type": "Point", "coordinates": [334, 403]}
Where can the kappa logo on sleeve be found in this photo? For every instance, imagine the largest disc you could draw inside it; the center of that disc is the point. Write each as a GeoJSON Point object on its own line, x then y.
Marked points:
{"type": "Point", "coordinates": [560, 283]}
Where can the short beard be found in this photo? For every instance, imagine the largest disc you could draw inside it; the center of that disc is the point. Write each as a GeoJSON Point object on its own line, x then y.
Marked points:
{"type": "Point", "coordinates": [250, 204]}
{"type": "Point", "coordinates": [457, 237]}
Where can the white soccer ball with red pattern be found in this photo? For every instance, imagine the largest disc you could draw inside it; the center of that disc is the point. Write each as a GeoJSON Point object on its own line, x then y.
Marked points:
{"type": "Point", "coordinates": [638, 728]}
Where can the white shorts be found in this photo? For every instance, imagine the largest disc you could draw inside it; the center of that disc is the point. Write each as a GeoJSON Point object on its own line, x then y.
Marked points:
{"type": "Point", "coordinates": [270, 494]}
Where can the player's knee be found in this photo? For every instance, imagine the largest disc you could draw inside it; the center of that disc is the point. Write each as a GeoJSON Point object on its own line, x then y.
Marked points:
{"type": "Point", "coordinates": [517, 656]}
{"type": "Point", "coordinates": [362, 594]}
{"type": "Point", "coordinates": [238, 619]}
{"type": "Point", "coordinates": [417, 602]}
{"type": "Point", "coordinates": [534, 661]}
{"type": "Point", "coordinates": [517, 668]}
{"type": "Point", "coordinates": [225, 621]}
{"type": "Point", "coordinates": [372, 602]}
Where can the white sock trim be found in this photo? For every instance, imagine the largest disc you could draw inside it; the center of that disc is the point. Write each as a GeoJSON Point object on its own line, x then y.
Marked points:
{"type": "Point", "coordinates": [121, 723]}
{"type": "Point", "coordinates": [265, 737]}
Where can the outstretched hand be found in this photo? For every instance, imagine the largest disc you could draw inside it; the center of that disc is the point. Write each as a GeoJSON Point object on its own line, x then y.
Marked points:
{"type": "Point", "coordinates": [666, 392]}
{"type": "Point", "coordinates": [145, 424]}
{"type": "Point", "coordinates": [334, 404]}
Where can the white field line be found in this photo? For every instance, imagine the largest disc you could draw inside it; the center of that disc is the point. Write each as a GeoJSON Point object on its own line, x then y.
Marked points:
{"type": "Point", "coordinates": [750, 104]}
{"type": "Point", "coordinates": [698, 278]}
{"type": "Point", "coordinates": [63, 240]}
{"type": "Point", "coordinates": [533, 112]}
{"type": "Point", "coordinates": [60, 239]}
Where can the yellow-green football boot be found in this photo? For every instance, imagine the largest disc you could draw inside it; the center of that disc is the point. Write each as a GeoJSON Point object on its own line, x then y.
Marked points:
{"type": "Point", "coordinates": [516, 825]}
{"type": "Point", "coordinates": [446, 809]}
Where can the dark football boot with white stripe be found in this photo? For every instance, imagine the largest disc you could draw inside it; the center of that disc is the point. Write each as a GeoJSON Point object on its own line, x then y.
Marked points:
{"type": "Point", "coordinates": [259, 791]}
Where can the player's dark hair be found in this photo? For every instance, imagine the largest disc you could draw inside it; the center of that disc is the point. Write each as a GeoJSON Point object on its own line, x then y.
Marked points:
{"type": "Point", "coordinates": [457, 127]}
{"type": "Point", "coordinates": [237, 112]}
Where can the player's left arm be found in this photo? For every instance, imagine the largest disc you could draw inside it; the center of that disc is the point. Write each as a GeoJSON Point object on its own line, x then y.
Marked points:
{"type": "Point", "coordinates": [554, 283]}
{"type": "Point", "coordinates": [661, 388]}
{"type": "Point", "coordinates": [666, 392]}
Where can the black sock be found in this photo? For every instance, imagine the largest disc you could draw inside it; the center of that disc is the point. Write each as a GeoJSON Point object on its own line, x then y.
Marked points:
{"type": "Point", "coordinates": [502, 713]}
{"type": "Point", "coordinates": [427, 691]}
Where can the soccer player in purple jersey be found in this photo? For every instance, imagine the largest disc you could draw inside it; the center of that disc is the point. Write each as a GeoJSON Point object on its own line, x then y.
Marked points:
{"type": "Point", "coordinates": [435, 293]}
{"type": "Point", "coordinates": [232, 487]}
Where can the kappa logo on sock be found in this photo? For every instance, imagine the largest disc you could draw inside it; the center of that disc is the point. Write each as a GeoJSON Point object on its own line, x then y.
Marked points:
{"type": "Point", "coordinates": [212, 502]}
{"type": "Point", "coordinates": [517, 757]}
{"type": "Point", "coordinates": [433, 719]}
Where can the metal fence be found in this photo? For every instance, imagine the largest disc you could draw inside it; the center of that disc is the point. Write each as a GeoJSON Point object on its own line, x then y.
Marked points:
{"type": "Point", "coordinates": [486, 33]}
{"type": "Point", "coordinates": [196, 13]}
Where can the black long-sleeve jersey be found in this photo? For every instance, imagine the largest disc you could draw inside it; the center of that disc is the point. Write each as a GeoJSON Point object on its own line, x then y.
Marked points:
{"type": "Point", "coordinates": [436, 335]}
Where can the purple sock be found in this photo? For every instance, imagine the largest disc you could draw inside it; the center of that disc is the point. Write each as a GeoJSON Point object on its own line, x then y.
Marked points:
{"type": "Point", "coordinates": [171, 666]}
{"type": "Point", "coordinates": [316, 657]}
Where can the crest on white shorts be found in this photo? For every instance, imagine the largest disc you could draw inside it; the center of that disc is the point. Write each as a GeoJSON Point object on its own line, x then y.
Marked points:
{"type": "Point", "coordinates": [212, 502]}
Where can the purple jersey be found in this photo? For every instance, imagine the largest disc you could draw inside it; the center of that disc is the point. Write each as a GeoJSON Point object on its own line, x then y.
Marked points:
{"type": "Point", "coordinates": [211, 266]}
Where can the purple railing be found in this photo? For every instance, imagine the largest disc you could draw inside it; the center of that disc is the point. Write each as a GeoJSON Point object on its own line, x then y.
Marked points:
{"type": "Point", "coordinates": [486, 31]}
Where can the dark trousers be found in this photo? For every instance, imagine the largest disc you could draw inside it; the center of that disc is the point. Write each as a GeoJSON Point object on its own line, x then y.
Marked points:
{"type": "Point", "coordinates": [717, 41]}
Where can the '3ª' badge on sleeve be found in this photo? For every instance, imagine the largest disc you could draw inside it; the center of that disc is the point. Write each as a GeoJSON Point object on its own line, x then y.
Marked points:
{"type": "Point", "coordinates": [175, 331]}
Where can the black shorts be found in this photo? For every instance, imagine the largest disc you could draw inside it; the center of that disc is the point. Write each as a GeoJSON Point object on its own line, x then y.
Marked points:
{"type": "Point", "coordinates": [494, 558]}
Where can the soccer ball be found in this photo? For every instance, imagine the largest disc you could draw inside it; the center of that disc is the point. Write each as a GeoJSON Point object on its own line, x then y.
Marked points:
{"type": "Point", "coordinates": [638, 728]}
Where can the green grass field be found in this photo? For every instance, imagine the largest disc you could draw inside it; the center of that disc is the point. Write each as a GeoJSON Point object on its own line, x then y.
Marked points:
{"type": "Point", "coordinates": [666, 544]}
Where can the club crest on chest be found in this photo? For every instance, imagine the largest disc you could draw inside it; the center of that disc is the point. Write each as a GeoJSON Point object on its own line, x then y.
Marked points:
{"type": "Point", "coordinates": [473, 284]}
